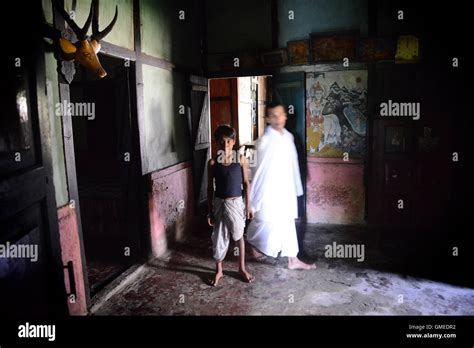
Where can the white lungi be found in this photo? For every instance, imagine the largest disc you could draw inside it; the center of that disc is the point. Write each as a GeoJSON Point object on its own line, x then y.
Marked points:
{"type": "Point", "coordinates": [272, 237]}
{"type": "Point", "coordinates": [229, 220]}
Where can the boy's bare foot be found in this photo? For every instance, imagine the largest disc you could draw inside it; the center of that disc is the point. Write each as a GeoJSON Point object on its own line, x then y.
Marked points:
{"type": "Point", "coordinates": [295, 263]}
{"type": "Point", "coordinates": [246, 275]}
{"type": "Point", "coordinates": [216, 279]}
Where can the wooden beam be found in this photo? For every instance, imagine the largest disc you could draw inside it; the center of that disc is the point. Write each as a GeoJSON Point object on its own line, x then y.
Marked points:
{"type": "Point", "coordinates": [139, 82]}
{"type": "Point", "coordinates": [117, 51]}
{"type": "Point", "coordinates": [69, 156]}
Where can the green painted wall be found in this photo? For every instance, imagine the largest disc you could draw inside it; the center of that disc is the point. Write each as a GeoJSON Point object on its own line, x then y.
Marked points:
{"type": "Point", "coordinates": [57, 146]}
{"type": "Point", "coordinates": [167, 37]}
{"type": "Point", "coordinates": [166, 131]}
{"type": "Point", "coordinates": [164, 36]}
{"type": "Point", "coordinates": [47, 10]}
{"type": "Point", "coordinates": [122, 34]}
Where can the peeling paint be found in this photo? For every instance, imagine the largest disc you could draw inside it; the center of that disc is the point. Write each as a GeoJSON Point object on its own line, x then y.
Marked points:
{"type": "Point", "coordinates": [335, 193]}
{"type": "Point", "coordinates": [171, 207]}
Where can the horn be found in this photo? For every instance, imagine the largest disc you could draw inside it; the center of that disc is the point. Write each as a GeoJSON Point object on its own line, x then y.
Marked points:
{"type": "Point", "coordinates": [81, 33]}
{"type": "Point", "coordinates": [96, 34]}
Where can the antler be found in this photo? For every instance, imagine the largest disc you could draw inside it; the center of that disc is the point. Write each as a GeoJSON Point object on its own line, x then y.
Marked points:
{"type": "Point", "coordinates": [81, 33]}
{"type": "Point", "coordinates": [96, 34]}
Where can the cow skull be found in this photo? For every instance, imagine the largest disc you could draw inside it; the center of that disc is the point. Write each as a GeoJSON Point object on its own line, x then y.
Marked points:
{"type": "Point", "coordinates": [85, 49]}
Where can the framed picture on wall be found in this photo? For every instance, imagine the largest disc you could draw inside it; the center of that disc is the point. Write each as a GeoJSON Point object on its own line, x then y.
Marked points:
{"type": "Point", "coordinates": [427, 141]}
{"type": "Point", "coordinates": [376, 49]}
{"type": "Point", "coordinates": [275, 58]}
{"type": "Point", "coordinates": [336, 113]}
{"type": "Point", "coordinates": [299, 52]}
{"type": "Point", "coordinates": [330, 47]}
{"type": "Point", "coordinates": [396, 139]}
{"type": "Point", "coordinates": [249, 60]}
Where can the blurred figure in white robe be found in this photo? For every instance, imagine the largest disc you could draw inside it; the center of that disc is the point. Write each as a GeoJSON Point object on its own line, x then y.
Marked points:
{"type": "Point", "coordinates": [275, 185]}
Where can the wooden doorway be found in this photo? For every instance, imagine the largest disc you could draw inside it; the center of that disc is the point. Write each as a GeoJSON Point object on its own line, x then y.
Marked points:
{"type": "Point", "coordinates": [239, 102]}
{"type": "Point", "coordinates": [108, 170]}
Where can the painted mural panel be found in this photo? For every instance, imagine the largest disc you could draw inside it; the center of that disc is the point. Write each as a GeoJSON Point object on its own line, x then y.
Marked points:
{"type": "Point", "coordinates": [336, 109]}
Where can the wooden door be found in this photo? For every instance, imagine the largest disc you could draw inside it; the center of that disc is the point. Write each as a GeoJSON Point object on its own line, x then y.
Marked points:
{"type": "Point", "coordinates": [410, 175]}
{"type": "Point", "coordinates": [200, 135]}
{"type": "Point", "coordinates": [32, 281]}
{"type": "Point", "coordinates": [289, 89]}
{"type": "Point", "coordinates": [224, 107]}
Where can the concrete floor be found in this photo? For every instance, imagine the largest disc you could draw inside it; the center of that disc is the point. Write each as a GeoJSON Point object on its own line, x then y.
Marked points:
{"type": "Point", "coordinates": [177, 284]}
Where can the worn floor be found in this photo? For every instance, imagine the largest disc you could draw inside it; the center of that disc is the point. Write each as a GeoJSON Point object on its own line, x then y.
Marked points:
{"type": "Point", "coordinates": [100, 271]}
{"type": "Point", "coordinates": [177, 284]}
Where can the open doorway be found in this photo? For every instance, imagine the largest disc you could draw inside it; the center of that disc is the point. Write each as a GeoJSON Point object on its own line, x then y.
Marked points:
{"type": "Point", "coordinates": [108, 170]}
{"type": "Point", "coordinates": [239, 102]}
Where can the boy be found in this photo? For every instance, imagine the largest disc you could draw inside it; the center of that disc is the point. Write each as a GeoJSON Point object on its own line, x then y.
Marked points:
{"type": "Point", "coordinates": [226, 208]}
{"type": "Point", "coordinates": [275, 186]}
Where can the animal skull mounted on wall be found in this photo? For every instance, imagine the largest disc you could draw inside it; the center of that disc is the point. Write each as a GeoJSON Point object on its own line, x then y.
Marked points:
{"type": "Point", "coordinates": [85, 49]}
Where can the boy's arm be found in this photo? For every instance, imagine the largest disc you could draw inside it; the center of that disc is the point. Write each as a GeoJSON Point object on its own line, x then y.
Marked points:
{"type": "Point", "coordinates": [246, 183]}
{"type": "Point", "coordinates": [210, 186]}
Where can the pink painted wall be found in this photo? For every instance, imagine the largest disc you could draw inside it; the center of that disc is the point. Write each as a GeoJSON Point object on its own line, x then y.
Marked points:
{"type": "Point", "coordinates": [171, 206]}
{"type": "Point", "coordinates": [71, 251]}
{"type": "Point", "coordinates": [335, 191]}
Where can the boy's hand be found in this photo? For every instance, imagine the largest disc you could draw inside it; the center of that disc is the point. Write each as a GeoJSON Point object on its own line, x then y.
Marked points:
{"type": "Point", "coordinates": [210, 219]}
{"type": "Point", "coordinates": [249, 213]}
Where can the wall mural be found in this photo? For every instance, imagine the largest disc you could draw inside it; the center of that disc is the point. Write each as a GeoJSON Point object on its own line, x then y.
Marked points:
{"type": "Point", "coordinates": [336, 108]}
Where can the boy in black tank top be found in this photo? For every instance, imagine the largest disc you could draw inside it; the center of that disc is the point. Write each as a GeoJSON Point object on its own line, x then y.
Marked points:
{"type": "Point", "coordinates": [227, 211]}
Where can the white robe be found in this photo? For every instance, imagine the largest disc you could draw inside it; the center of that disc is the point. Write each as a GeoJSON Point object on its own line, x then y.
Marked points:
{"type": "Point", "coordinates": [276, 183]}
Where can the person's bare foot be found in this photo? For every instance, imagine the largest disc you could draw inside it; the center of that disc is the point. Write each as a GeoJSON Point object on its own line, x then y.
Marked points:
{"type": "Point", "coordinates": [215, 281]}
{"type": "Point", "coordinates": [246, 275]}
{"type": "Point", "coordinates": [295, 263]}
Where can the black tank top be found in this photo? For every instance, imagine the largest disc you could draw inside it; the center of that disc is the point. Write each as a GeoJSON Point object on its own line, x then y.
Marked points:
{"type": "Point", "coordinates": [228, 180]}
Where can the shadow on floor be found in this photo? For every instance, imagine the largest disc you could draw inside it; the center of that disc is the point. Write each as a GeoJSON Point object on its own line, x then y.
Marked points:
{"type": "Point", "coordinates": [418, 253]}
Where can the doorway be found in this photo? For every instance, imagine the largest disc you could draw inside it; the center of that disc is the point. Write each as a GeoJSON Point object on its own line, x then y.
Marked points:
{"type": "Point", "coordinates": [108, 170]}
{"type": "Point", "coordinates": [239, 102]}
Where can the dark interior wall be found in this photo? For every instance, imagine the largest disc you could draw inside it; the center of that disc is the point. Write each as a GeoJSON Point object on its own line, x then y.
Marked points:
{"type": "Point", "coordinates": [172, 35]}
{"type": "Point", "coordinates": [387, 22]}
{"type": "Point", "coordinates": [246, 25]}
{"type": "Point", "coordinates": [250, 26]}
{"type": "Point", "coordinates": [313, 16]}
{"type": "Point", "coordinates": [236, 26]}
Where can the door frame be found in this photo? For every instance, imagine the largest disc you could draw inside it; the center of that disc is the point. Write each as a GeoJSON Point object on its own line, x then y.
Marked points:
{"type": "Point", "coordinates": [68, 135]}
{"type": "Point", "coordinates": [199, 84]}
